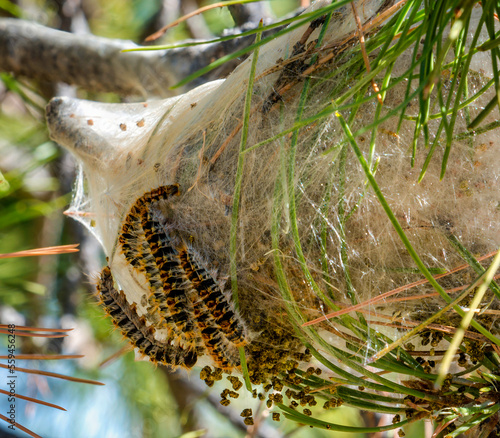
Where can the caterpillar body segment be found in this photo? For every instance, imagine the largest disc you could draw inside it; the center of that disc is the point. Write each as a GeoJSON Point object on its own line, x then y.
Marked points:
{"type": "Point", "coordinates": [138, 253]}
{"type": "Point", "coordinates": [224, 354]}
{"type": "Point", "coordinates": [131, 230]}
{"type": "Point", "coordinates": [172, 277]}
{"type": "Point", "coordinates": [214, 299]}
{"type": "Point", "coordinates": [183, 297]}
{"type": "Point", "coordinates": [133, 327]}
{"type": "Point", "coordinates": [153, 255]}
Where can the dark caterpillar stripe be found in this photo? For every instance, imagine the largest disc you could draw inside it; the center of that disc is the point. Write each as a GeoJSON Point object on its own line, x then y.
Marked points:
{"type": "Point", "coordinates": [224, 354]}
{"type": "Point", "coordinates": [215, 301]}
{"type": "Point", "coordinates": [135, 329]}
{"type": "Point", "coordinates": [147, 265]}
{"type": "Point", "coordinates": [167, 286]}
{"type": "Point", "coordinates": [131, 226]}
{"type": "Point", "coordinates": [173, 299]}
{"type": "Point", "coordinates": [184, 297]}
{"type": "Point", "coordinates": [138, 251]}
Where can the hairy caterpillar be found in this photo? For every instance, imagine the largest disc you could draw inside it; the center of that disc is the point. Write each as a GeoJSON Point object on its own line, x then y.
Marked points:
{"type": "Point", "coordinates": [149, 250]}
{"type": "Point", "coordinates": [213, 298]}
{"type": "Point", "coordinates": [125, 318]}
{"type": "Point", "coordinates": [187, 300]}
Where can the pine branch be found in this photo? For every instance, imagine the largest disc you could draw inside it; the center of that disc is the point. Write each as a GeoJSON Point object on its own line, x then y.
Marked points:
{"type": "Point", "coordinates": [99, 65]}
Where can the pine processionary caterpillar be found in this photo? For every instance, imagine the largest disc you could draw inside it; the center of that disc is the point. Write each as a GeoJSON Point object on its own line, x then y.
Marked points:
{"type": "Point", "coordinates": [224, 354]}
{"type": "Point", "coordinates": [124, 317]}
{"type": "Point", "coordinates": [148, 249]}
{"type": "Point", "coordinates": [189, 302]}
{"type": "Point", "coordinates": [173, 299]}
{"type": "Point", "coordinates": [157, 297]}
{"type": "Point", "coordinates": [213, 298]}
{"type": "Point", "coordinates": [133, 220]}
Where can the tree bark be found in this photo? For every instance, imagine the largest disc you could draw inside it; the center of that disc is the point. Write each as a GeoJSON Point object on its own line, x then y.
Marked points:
{"type": "Point", "coordinates": [99, 65]}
